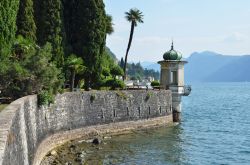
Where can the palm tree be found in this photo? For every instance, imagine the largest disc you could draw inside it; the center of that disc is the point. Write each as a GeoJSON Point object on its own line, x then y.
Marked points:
{"type": "Point", "coordinates": [134, 16]}
{"type": "Point", "coordinates": [109, 24]}
{"type": "Point", "coordinates": [109, 30]}
{"type": "Point", "coordinates": [75, 64]}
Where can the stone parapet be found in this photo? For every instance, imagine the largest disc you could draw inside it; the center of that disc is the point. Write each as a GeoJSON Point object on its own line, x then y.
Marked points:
{"type": "Point", "coordinates": [24, 127]}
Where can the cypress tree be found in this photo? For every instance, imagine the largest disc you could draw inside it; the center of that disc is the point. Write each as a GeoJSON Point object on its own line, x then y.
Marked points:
{"type": "Point", "coordinates": [49, 19]}
{"type": "Point", "coordinates": [8, 13]}
{"type": "Point", "coordinates": [37, 5]}
{"type": "Point", "coordinates": [69, 16]}
{"type": "Point", "coordinates": [87, 35]}
{"type": "Point", "coordinates": [25, 20]}
{"type": "Point", "coordinates": [122, 63]}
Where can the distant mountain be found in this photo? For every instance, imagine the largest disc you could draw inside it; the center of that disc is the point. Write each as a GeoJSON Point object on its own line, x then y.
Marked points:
{"type": "Point", "coordinates": [151, 65]}
{"type": "Point", "coordinates": [209, 66]}
{"type": "Point", "coordinates": [235, 71]}
{"type": "Point", "coordinates": [213, 67]}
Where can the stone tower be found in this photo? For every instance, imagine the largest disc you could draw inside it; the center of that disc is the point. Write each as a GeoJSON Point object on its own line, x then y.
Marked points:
{"type": "Point", "coordinates": [172, 78]}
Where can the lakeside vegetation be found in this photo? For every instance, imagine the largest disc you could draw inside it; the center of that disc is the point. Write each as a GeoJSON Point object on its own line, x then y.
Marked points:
{"type": "Point", "coordinates": [46, 44]}
{"type": "Point", "coordinates": [135, 71]}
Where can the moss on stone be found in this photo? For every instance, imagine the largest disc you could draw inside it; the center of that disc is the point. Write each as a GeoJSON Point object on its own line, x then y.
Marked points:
{"type": "Point", "coordinates": [2, 106]}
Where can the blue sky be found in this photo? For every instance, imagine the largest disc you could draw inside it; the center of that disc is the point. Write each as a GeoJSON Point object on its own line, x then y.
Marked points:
{"type": "Point", "coordinates": [222, 26]}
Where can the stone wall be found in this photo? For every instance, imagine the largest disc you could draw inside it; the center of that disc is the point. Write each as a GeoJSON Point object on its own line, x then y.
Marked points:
{"type": "Point", "coordinates": [23, 126]}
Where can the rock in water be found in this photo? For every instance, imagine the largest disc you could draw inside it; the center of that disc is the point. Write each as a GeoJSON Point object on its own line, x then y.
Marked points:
{"type": "Point", "coordinates": [53, 152]}
{"type": "Point", "coordinates": [96, 141]}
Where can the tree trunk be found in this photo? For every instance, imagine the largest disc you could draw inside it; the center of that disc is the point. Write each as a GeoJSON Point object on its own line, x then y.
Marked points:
{"type": "Point", "coordinates": [129, 44]}
{"type": "Point", "coordinates": [73, 80]}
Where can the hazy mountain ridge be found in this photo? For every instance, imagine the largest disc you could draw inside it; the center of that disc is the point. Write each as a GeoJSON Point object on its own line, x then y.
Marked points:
{"type": "Point", "coordinates": [235, 71]}
{"type": "Point", "coordinates": [151, 65]}
{"type": "Point", "coordinates": [209, 66]}
{"type": "Point", "coordinates": [213, 67]}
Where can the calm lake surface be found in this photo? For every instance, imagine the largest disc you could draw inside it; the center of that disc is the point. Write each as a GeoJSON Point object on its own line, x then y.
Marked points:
{"type": "Point", "coordinates": [215, 129]}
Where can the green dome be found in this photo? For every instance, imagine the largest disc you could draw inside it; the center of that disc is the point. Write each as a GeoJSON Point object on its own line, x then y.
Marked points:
{"type": "Point", "coordinates": [172, 54]}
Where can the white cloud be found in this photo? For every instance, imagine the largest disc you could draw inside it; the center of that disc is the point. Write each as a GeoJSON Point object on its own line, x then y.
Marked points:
{"type": "Point", "coordinates": [236, 37]}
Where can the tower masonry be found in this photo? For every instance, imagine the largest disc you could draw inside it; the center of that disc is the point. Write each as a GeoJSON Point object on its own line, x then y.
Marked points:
{"type": "Point", "coordinates": [172, 78]}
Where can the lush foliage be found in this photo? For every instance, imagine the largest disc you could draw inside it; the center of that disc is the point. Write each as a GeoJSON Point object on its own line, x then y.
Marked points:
{"type": "Point", "coordinates": [29, 71]}
{"type": "Point", "coordinates": [8, 13]}
{"type": "Point", "coordinates": [155, 83]}
{"type": "Point", "coordinates": [25, 20]}
{"type": "Point", "coordinates": [85, 24]}
{"type": "Point", "coordinates": [116, 71]}
{"type": "Point", "coordinates": [75, 65]}
{"type": "Point", "coordinates": [50, 28]}
{"type": "Point", "coordinates": [105, 72]}
{"type": "Point", "coordinates": [38, 40]}
{"type": "Point", "coordinates": [137, 72]}
{"type": "Point", "coordinates": [108, 60]}
{"type": "Point", "coordinates": [45, 98]}
{"type": "Point", "coordinates": [114, 84]}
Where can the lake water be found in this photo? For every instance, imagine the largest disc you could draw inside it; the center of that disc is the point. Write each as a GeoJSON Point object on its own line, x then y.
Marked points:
{"type": "Point", "coordinates": [215, 129]}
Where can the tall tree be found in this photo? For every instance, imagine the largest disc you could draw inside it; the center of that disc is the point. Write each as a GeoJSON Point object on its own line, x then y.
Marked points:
{"type": "Point", "coordinates": [8, 13]}
{"type": "Point", "coordinates": [87, 35]}
{"type": "Point", "coordinates": [122, 63]}
{"type": "Point", "coordinates": [25, 20]}
{"type": "Point", "coordinates": [134, 16]}
{"type": "Point", "coordinates": [49, 19]}
{"type": "Point", "coordinates": [69, 15]}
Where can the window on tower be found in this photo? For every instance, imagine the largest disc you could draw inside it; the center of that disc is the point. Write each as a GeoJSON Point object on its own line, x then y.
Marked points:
{"type": "Point", "coordinates": [174, 78]}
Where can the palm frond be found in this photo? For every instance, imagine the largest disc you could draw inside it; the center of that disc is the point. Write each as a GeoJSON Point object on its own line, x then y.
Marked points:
{"type": "Point", "coordinates": [134, 15]}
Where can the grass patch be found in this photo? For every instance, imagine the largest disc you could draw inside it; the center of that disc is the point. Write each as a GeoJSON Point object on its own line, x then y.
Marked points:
{"type": "Point", "coordinates": [148, 96]}
{"type": "Point", "coordinates": [122, 95]}
{"type": "Point", "coordinates": [2, 106]}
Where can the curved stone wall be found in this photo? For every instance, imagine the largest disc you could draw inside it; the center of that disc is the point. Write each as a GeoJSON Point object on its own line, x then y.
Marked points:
{"type": "Point", "coordinates": [24, 127]}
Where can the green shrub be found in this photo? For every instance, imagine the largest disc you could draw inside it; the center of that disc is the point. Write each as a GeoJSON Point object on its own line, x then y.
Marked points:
{"type": "Point", "coordinates": [116, 71]}
{"type": "Point", "coordinates": [105, 72]}
{"type": "Point", "coordinates": [29, 70]}
{"type": "Point", "coordinates": [45, 98]}
{"type": "Point", "coordinates": [155, 83]}
{"type": "Point", "coordinates": [115, 84]}
{"type": "Point", "coordinates": [148, 96]}
{"type": "Point", "coordinates": [101, 83]}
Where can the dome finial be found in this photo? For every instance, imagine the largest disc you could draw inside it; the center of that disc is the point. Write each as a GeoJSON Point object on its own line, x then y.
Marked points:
{"type": "Point", "coordinates": [172, 54]}
{"type": "Point", "coordinates": [172, 47]}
